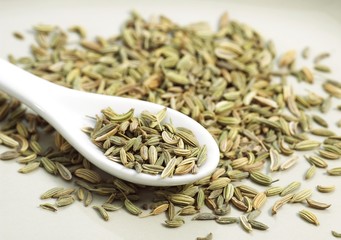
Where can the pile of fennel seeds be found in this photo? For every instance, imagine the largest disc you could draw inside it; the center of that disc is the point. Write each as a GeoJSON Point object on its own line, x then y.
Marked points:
{"type": "Point", "coordinates": [146, 143]}
{"type": "Point", "coordinates": [227, 80]}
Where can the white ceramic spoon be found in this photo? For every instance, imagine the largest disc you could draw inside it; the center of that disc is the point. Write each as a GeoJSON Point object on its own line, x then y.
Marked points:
{"type": "Point", "coordinates": [67, 110]}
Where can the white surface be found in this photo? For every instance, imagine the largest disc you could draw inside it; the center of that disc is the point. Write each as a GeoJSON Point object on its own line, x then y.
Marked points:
{"type": "Point", "coordinates": [291, 24]}
{"type": "Point", "coordinates": [67, 111]}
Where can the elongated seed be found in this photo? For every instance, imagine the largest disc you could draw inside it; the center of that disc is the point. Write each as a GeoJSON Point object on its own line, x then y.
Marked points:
{"type": "Point", "coordinates": [245, 224]}
{"type": "Point", "coordinates": [336, 234]}
{"type": "Point", "coordinates": [174, 223]}
{"type": "Point", "coordinates": [317, 205]}
{"type": "Point", "coordinates": [65, 201]}
{"type": "Point", "coordinates": [261, 178]}
{"type": "Point", "coordinates": [274, 158]}
{"type": "Point", "coordinates": [204, 216]}
{"type": "Point", "coordinates": [49, 165]}
{"type": "Point", "coordinates": [88, 175]}
{"type": "Point", "coordinates": [254, 214]}
{"type": "Point", "coordinates": [258, 225]}
{"type": "Point", "coordinates": [334, 171]}
{"type": "Point", "coordinates": [51, 192]}
{"type": "Point", "coordinates": [9, 155]}
{"type": "Point", "coordinates": [301, 195]}
{"type": "Point", "coordinates": [159, 209]}
{"type": "Point", "coordinates": [309, 217]}
{"type": "Point", "coordinates": [48, 206]}
{"type": "Point", "coordinates": [289, 163]}
{"type": "Point", "coordinates": [8, 141]}
{"type": "Point", "coordinates": [310, 172]}
{"type": "Point", "coordinates": [273, 191]}
{"type": "Point", "coordinates": [88, 198]}
{"type": "Point", "coordinates": [28, 158]}
{"type": "Point", "coordinates": [181, 199]}
{"type": "Point", "coordinates": [63, 192]}
{"type": "Point", "coordinates": [279, 203]}
{"type": "Point", "coordinates": [259, 200]}
{"type": "Point", "coordinates": [322, 132]}
{"type": "Point", "coordinates": [29, 167]}
{"type": "Point", "coordinates": [131, 207]}
{"type": "Point", "coordinates": [307, 145]}
{"type": "Point", "coordinates": [319, 120]}
{"type": "Point", "coordinates": [102, 212]}
{"type": "Point", "coordinates": [226, 220]}
{"type": "Point", "coordinates": [63, 171]}
{"type": "Point", "coordinates": [325, 189]}
{"type": "Point", "coordinates": [293, 186]}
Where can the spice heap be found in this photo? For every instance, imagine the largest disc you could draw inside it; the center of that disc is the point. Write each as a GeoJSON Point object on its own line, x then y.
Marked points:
{"type": "Point", "coordinates": [227, 80]}
{"type": "Point", "coordinates": [147, 144]}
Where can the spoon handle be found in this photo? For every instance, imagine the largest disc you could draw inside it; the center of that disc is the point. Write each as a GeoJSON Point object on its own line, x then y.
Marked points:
{"type": "Point", "coordinates": [25, 86]}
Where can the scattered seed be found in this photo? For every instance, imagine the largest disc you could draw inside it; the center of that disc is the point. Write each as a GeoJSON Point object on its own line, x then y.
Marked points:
{"type": "Point", "coordinates": [279, 203]}
{"type": "Point", "coordinates": [325, 189]}
{"type": "Point", "coordinates": [289, 163]}
{"type": "Point", "coordinates": [102, 212]}
{"type": "Point", "coordinates": [226, 220]}
{"type": "Point", "coordinates": [49, 206]}
{"type": "Point", "coordinates": [88, 175]}
{"type": "Point", "coordinates": [293, 186]}
{"type": "Point", "coordinates": [309, 217]}
{"type": "Point", "coordinates": [245, 223]}
{"type": "Point", "coordinates": [336, 234]}
{"type": "Point", "coordinates": [334, 171]}
{"type": "Point", "coordinates": [65, 201]}
{"type": "Point", "coordinates": [131, 207]}
{"type": "Point", "coordinates": [317, 205]}
{"type": "Point", "coordinates": [205, 216]}
{"type": "Point", "coordinates": [30, 167]}
{"type": "Point", "coordinates": [258, 225]}
{"type": "Point", "coordinates": [9, 155]}
{"type": "Point", "coordinates": [261, 178]}
{"type": "Point", "coordinates": [310, 172]}
{"type": "Point", "coordinates": [301, 196]}
{"type": "Point", "coordinates": [322, 68]}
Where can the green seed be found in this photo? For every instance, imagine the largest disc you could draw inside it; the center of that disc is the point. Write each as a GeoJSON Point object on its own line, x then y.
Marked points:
{"type": "Point", "coordinates": [309, 217]}
{"type": "Point", "coordinates": [102, 212]}
{"type": "Point", "coordinates": [258, 225]}
{"type": "Point", "coordinates": [9, 155]}
{"type": "Point", "coordinates": [290, 188]}
{"type": "Point", "coordinates": [325, 189]}
{"type": "Point", "coordinates": [49, 206]}
{"type": "Point", "coordinates": [322, 68]}
{"type": "Point", "coordinates": [226, 220]}
{"type": "Point", "coordinates": [336, 234]}
{"type": "Point", "coordinates": [261, 178]}
{"type": "Point", "coordinates": [29, 167]}
{"type": "Point", "coordinates": [245, 223]}
{"type": "Point", "coordinates": [310, 172]}
{"type": "Point", "coordinates": [131, 207]}
{"type": "Point", "coordinates": [65, 201]}
{"type": "Point", "coordinates": [307, 145]}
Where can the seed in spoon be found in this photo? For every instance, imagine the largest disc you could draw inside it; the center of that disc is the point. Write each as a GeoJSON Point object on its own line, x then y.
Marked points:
{"type": "Point", "coordinates": [156, 139]}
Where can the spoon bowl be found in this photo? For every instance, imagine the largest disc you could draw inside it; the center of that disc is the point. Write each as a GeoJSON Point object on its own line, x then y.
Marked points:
{"type": "Point", "coordinates": [67, 110]}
